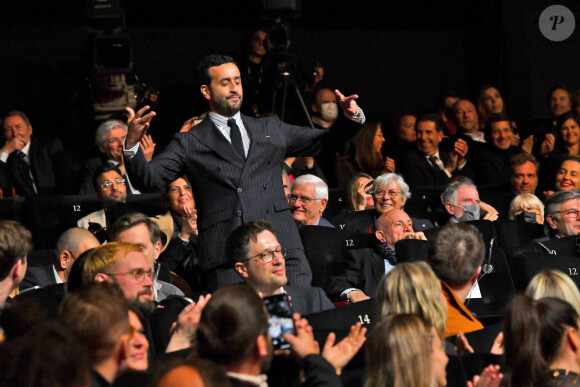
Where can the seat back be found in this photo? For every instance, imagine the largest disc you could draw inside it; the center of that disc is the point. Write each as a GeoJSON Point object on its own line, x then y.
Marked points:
{"type": "Point", "coordinates": [514, 233]}
{"type": "Point", "coordinates": [326, 249]}
{"type": "Point", "coordinates": [48, 216]}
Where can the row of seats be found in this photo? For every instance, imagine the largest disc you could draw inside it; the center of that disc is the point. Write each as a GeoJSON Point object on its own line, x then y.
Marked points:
{"type": "Point", "coordinates": [48, 216]}
{"type": "Point", "coordinates": [511, 259]}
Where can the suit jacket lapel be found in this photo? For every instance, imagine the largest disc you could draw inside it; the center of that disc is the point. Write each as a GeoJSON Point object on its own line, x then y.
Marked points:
{"type": "Point", "coordinates": [208, 134]}
{"type": "Point", "coordinates": [257, 135]}
{"type": "Point", "coordinates": [378, 267]}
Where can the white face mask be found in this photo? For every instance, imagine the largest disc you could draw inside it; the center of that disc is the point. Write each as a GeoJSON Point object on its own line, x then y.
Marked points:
{"type": "Point", "coordinates": [329, 111]}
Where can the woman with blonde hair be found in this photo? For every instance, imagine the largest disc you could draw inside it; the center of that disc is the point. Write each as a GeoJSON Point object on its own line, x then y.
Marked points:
{"type": "Point", "coordinates": [412, 287]}
{"type": "Point", "coordinates": [397, 355]}
{"type": "Point", "coordinates": [554, 283]}
{"type": "Point", "coordinates": [527, 207]}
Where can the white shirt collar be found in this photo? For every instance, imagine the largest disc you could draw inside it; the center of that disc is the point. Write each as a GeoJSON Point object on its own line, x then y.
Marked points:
{"type": "Point", "coordinates": [255, 380]}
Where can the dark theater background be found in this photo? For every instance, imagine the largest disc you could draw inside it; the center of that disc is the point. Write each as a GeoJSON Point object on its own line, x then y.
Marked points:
{"type": "Point", "coordinates": [396, 56]}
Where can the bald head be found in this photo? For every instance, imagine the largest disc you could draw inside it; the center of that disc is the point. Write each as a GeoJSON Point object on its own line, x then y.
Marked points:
{"type": "Point", "coordinates": [393, 226]}
{"type": "Point", "coordinates": [71, 244]}
{"type": "Point", "coordinates": [76, 240]}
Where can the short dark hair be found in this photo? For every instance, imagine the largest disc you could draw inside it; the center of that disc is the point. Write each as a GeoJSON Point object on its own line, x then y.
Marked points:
{"type": "Point", "coordinates": [98, 315]}
{"type": "Point", "coordinates": [449, 93]}
{"type": "Point", "coordinates": [399, 117]}
{"type": "Point", "coordinates": [456, 252]}
{"type": "Point", "coordinates": [565, 117]}
{"type": "Point", "coordinates": [436, 118]}
{"type": "Point", "coordinates": [521, 159]}
{"type": "Point", "coordinates": [560, 86]}
{"type": "Point", "coordinates": [230, 323]}
{"type": "Point", "coordinates": [208, 61]}
{"type": "Point", "coordinates": [133, 219]}
{"type": "Point", "coordinates": [238, 242]}
{"type": "Point", "coordinates": [16, 113]}
{"type": "Point", "coordinates": [501, 117]}
{"type": "Point", "coordinates": [104, 169]}
{"type": "Point", "coordinates": [15, 244]}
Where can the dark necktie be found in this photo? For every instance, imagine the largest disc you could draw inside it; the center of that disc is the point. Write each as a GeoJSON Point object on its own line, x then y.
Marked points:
{"type": "Point", "coordinates": [236, 138]}
{"type": "Point", "coordinates": [433, 161]}
{"type": "Point", "coordinates": [25, 165]}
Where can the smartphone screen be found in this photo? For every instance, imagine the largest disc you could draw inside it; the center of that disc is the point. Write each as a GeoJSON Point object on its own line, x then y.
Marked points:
{"type": "Point", "coordinates": [280, 321]}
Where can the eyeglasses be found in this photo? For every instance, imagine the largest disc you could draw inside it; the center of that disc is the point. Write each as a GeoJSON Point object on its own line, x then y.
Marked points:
{"type": "Point", "coordinates": [268, 256]}
{"type": "Point", "coordinates": [108, 184]}
{"type": "Point", "coordinates": [572, 213]}
{"type": "Point", "coordinates": [137, 274]}
{"type": "Point", "coordinates": [116, 140]}
{"type": "Point", "coordinates": [392, 193]}
{"type": "Point", "coordinates": [304, 199]}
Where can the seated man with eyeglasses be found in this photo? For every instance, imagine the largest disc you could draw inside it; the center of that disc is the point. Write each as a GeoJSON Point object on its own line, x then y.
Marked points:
{"type": "Point", "coordinates": [562, 211]}
{"type": "Point", "coordinates": [127, 265]}
{"type": "Point", "coordinates": [308, 199]}
{"type": "Point", "coordinates": [110, 188]}
{"type": "Point", "coordinates": [364, 268]}
{"type": "Point", "coordinates": [258, 258]}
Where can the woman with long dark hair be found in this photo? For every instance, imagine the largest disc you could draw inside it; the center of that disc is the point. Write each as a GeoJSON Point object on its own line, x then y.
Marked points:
{"type": "Point", "coordinates": [363, 154]}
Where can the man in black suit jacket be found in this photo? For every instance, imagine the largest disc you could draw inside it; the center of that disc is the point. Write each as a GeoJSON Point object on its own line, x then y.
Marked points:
{"type": "Point", "coordinates": [25, 163]}
{"type": "Point", "coordinates": [233, 163]}
{"type": "Point", "coordinates": [428, 166]}
{"type": "Point", "coordinates": [364, 268]}
{"type": "Point", "coordinates": [258, 258]}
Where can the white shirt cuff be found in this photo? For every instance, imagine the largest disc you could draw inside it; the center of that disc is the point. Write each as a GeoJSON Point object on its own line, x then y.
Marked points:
{"type": "Point", "coordinates": [345, 293]}
{"type": "Point", "coordinates": [130, 153]}
{"type": "Point", "coordinates": [4, 156]}
{"type": "Point", "coordinates": [359, 117]}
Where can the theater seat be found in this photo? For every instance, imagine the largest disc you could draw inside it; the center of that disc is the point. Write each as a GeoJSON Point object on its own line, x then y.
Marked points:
{"type": "Point", "coordinates": [48, 216]}
{"type": "Point", "coordinates": [148, 204]}
{"type": "Point", "coordinates": [337, 201]}
{"type": "Point", "coordinates": [528, 261]}
{"type": "Point", "coordinates": [562, 246]}
{"type": "Point", "coordinates": [411, 250]}
{"type": "Point", "coordinates": [496, 286]}
{"type": "Point", "coordinates": [514, 233]}
{"type": "Point", "coordinates": [326, 249]}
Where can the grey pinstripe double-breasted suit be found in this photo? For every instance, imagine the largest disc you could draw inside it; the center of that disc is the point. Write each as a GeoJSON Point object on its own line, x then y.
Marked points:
{"type": "Point", "coordinates": [230, 191]}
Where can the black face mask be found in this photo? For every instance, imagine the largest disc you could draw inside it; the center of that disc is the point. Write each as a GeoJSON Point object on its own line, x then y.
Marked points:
{"type": "Point", "coordinates": [527, 216]}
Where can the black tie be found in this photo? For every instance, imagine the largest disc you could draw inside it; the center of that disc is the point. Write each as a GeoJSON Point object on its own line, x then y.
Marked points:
{"type": "Point", "coordinates": [433, 160]}
{"type": "Point", "coordinates": [236, 138]}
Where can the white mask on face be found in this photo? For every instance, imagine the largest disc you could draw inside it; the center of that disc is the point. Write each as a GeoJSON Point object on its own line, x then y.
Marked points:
{"type": "Point", "coordinates": [329, 111]}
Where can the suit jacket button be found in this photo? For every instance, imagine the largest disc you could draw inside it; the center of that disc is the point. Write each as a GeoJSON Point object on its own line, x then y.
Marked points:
{"type": "Point", "coordinates": [265, 186]}
{"type": "Point", "coordinates": [239, 189]}
{"type": "Point", "coordinates": [218, 170]}
{"type": "Point", "coordinates": [239, 213]}
{"type": "Point", "coordinates": [267, 211]}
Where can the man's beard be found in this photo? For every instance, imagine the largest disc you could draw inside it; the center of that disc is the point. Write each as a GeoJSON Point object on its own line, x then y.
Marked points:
{"type": "Point", "coordinates": [231, 110]}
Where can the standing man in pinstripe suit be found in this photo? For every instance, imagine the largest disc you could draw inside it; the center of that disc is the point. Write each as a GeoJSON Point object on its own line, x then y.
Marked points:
{"type": "Point", "coordinates": [233, 163]}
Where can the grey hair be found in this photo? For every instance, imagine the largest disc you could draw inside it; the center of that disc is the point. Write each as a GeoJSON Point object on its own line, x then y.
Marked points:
{"type": "Point", "coordinates": [554, 201]}
{"type": "Point", "coordinates": [450, 193]}
{"type": "Point", "coordinates": [388, 178]}
{"type": "Point", "coordinates": [553, 204]}
{"type": "Point", "coordinates": [320, 187]}
{"type": "Point", "coordinates": [105, 128]}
